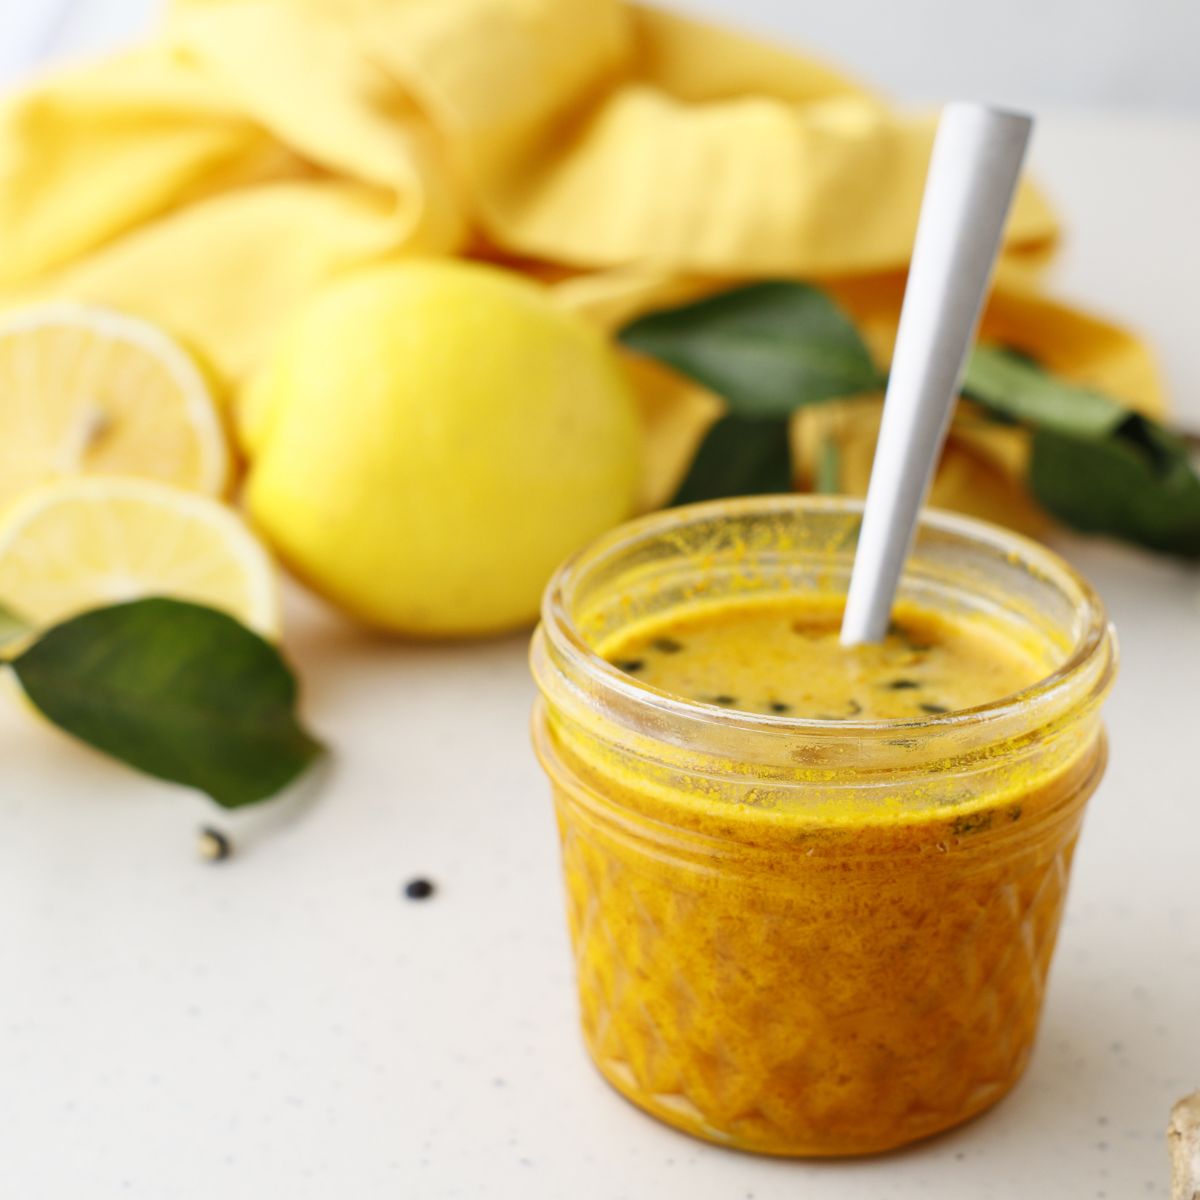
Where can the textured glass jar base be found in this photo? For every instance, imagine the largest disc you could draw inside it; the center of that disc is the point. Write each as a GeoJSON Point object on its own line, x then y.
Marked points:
{"type": "Point", "coordinates": [681, 1114]}
{"type": "Point", "coordinates": [852, 1012]}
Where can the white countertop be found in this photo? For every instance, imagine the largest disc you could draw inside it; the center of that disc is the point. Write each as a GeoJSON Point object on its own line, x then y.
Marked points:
{"type": "Point", "coordinates": [286, 1024]}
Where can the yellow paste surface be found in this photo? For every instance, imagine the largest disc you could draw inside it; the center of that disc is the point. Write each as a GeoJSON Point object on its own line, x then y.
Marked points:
{"type": "Point", "coordinates": [784, 657]}
{"type": "Point", "coordinates": [833, 988]}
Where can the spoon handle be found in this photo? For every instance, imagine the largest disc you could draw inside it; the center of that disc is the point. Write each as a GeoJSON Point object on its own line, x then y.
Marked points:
{"type": "Point", "coordinates": [973, 173]}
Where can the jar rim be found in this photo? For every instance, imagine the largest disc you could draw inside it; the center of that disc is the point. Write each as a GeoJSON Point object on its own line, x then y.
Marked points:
{"type": "Point", "coordinates": [1095, 631]}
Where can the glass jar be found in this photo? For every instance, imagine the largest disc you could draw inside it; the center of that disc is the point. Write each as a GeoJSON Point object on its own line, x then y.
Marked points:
{"type": "Point", "coordinates": [813, 937]}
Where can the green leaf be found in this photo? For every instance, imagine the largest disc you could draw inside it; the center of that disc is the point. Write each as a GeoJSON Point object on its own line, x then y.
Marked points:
{"type": "Point", "coordinates": [12, 626]}
{"type": "Point", "coordinates": [1015, 388]}
{"type": "Point", "coordinates": [770, 348]}
{"type": "Point", "coordinates": [739, 456]}
{"type": "Point", "coordinates": [766, 349]}
{"type": "Point", "coordinates": [177, 690]}
{"type": "Point", "coordinates": [1096, 465]}
{"type": "Point", "coordinates": [1137, 485]}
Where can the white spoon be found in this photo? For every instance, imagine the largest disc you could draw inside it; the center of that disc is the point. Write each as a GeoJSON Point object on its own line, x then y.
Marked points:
{"type": "Point", "coordinates": [973, 174]}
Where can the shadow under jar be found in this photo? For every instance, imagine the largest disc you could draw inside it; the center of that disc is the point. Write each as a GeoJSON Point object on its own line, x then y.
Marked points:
{"type": "Point", "coordinates": [814, 937]}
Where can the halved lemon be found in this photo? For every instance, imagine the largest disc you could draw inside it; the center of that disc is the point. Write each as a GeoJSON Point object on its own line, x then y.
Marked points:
{"type": "Point", "coordinates": [93, 540]}
{"type": "Point", "coordinates": [87, 390]}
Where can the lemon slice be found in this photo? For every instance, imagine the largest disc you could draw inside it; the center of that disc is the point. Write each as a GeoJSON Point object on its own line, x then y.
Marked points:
{"type": "Point", "coordinates": [93, 540]}
{"type": "Point", "coordinates": [87, 390]}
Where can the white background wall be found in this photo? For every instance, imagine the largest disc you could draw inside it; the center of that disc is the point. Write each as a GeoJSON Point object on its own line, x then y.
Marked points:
{"type": "Point", "coordinates": [1073, 53]}
{"type": "Point", "coordinates": [1131, 54]}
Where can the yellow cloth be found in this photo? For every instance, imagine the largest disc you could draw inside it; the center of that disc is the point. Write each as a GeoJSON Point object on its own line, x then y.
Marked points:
{"type": "Point", "coordinates": [212, 178]}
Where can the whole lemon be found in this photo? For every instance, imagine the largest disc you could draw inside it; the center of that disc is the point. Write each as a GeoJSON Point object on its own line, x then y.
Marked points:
{"type": "Point", "coordinates": [431, 438]}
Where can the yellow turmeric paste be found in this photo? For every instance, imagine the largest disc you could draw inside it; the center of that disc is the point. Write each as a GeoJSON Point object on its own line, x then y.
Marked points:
{"type": "Point", "coordinates": [839, 976]}
{"type": "Point", "coordinates": [776, 655]}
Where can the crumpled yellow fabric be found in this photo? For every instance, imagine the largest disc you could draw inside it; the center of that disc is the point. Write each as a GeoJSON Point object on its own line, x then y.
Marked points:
{"type": "Point", "coordinates": [252, 149]}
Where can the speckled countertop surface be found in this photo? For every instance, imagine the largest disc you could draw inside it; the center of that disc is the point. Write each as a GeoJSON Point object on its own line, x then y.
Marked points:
{"type": "Point", "coordinates": [286, 1024]}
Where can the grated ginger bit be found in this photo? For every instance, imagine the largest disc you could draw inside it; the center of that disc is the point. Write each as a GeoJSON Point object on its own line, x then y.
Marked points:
{"type": "Point", "coordinates": [1183, 1138]}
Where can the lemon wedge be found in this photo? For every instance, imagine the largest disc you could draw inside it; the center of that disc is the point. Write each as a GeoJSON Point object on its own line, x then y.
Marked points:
{"type": "Point", "coordinates": [86, 390]}
{"type": "Point", "coordinates": [80, 543]}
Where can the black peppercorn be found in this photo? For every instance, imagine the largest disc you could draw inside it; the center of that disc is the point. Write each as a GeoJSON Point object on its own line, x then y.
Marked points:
{"type": "Point", "coordinates": [214, 845]}
{"type": "Point", "coordinates": [666, 645]}
{"type": "Point", "coordinates": [418, 889]}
